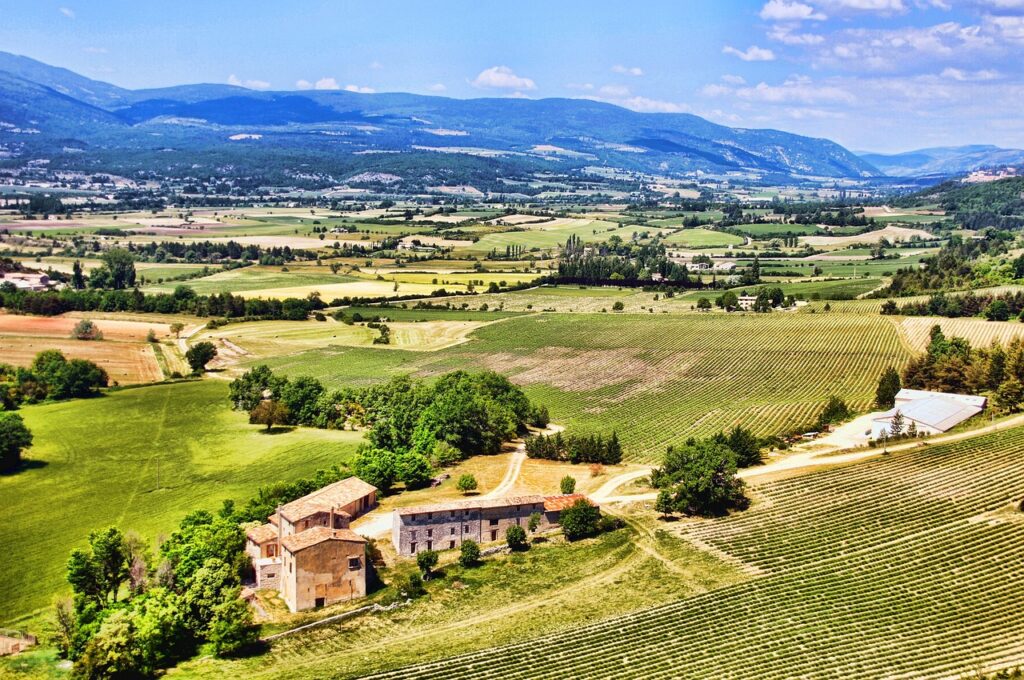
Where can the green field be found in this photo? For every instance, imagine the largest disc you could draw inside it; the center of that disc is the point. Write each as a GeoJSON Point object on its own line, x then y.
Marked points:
{"type": "Point", "coordinates": [703, 238]}
{"type": "Point", "coordinates": [904, 566]}
{"type": "Point", "coordinates": [139, 459]}
{"type": "Point", "coordinates": [759, 230]}
{"type": "Point", "coordinates": [654, 378]}
{"type": "Point", "coordinates": [545, 236]}
{"type": "Point", "coordinates": [257, 277]}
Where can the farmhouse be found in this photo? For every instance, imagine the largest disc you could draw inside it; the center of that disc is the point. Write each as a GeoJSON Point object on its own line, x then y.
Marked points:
{"type": "Point", "coordinates": [445, 526]}
{"type": "Point", "coordinates": [747, 302]}
{"type": "Point", "coordinates": [30, 281]}
{"type": "Point", "coordinates": [307, 552]}
{"type": "Point", "coordinates": [930, 412]}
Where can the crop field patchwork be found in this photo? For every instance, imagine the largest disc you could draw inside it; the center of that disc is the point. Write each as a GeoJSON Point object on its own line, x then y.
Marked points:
{"type": "Point", "coordinates": [898, 567]}
{"type": "Point", "coordinates": [655, 379]}
{"type": "Point", "coordinates": [703, 238]}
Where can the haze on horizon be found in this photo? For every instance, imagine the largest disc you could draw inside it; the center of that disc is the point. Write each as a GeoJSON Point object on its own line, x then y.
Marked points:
{"type": "Point", "coordinates": [878, 75]}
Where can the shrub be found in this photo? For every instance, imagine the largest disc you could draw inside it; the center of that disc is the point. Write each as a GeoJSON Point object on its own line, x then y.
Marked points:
{"type": "Point", "coordinates": [568, 484]}
{"type": "Point", "coordinates": [426, 561]}
{"type": "Point", "coordinates": [14, 437]}
{"type": "Point", "coordinates": [86, 330]}
{"type": "Point", "coordinates": [414, 586]}
{"type": "Point", "coordinates": [515, 538]}
{"type": "Point", "coordinates": [469, 553]}
{"type": "Point", "coordinates": [466, 483]}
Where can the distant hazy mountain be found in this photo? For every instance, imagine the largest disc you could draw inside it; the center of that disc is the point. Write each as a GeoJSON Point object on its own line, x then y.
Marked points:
{"type": "Point", "coordinates": [944, 160]}
{"type": "Point", "coordinates": [64, 110]}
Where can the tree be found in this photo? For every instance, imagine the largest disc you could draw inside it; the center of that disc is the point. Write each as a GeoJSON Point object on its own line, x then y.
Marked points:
{"type": "Point", "coordinates": [534, 522]}
{"type": "Point", "coordinates": [702, 478]}
{"type": "Point", "coordinates": [997, 310]}
{"type": "Point", "coordinates": [515, 538]}
{"type": "Point", "coordinates": [270, 413]}
{"type": "Point", "coordinates": [469, 553]}
{"type": "Point", "coordinates": [414, 470]}
{"type": "Point", "coordinates": [77, 277]}
{"type": "Point", "coordinates": [745, 445]}
{"type": "Point", "coordinates": [663, 504]}
{"type": "Point", "coordinates": [703, 304]}
{"type": "Point", "coordinates": [200, 354]}
{"type": "Point", "coordinates": [426, 560]}
{"type": "Point", "coordinates": [728, 301]}
{"type": "Point", "coordinates": [896, 424]}
{"type": "Point", "coordinates": [834, 411]}
{"type": "Point", "coordinates": [466, 483]}
{"type": "Point", "coordinates": [888, 387]}
{"type": "Point", "coordinates": [98, 573]}
{"type": "Point", "coordinates": [231, 628]}
{"type": "Point", "coordinates": [579, 520]}
{"type": "Point", "coordinates": [567, 485]}
{"type": "Point", "coordinates": [177, 327]}
{"type": "Point", "coordinates": [255, 385]}
{"type": "Point", "coordinates": [14, 438]}
{"type": "Point", "coordinates": [117, 271]}
{"type": "Point", "coordinates": [378, 467]}
{"type": "Point", "coordinates": [86, 330]}
{"type": "Point", "coordinates": [618, 306]}
{"type": "Point", "coordinates": [1010, 395]}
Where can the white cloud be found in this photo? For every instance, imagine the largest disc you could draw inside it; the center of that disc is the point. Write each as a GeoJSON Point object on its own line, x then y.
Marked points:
{"type": "Point", "coordinates": [251, 84]}
{"type": "Point", "coordinates": [1009, 28]}
{"type": "Point", "coordinates": [646, 105]}
{"type": "Point", "coordinates": [303, 84]}
{"type": "Point", "coordinates": [326, 84]}
{"type": "Point", "coordinates": [785, 35]}
{"type": "Point", "coordinates": [351, 88]}
{"type": "Point", "coordinates": [628, 70]}
{"type": "Point", "coordinates": [733, 79]}
{"type": "Point", "coordinates": [881, 6]}
{"type": "Point", "coordinates": [968, 76]}
{"type": "Point", "coordinates": [502, 77]}
{"type": "Point", "coordinates": [781, 10]}
{"type": "Point", "coordinates": [68, 12]}
{"type": "Point", "coordinates": [614, 91]}
{"type": "Point", "coordinates": [795, 90]}
{"type": "Point", "coordinates": [752, 53]}
{"type": "Point", "coordinates": [438, 87]}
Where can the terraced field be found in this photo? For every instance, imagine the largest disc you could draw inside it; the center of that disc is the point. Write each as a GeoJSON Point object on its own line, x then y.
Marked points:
{"type": "Point", "coordinates": [905, 566]}
{"type": "Point", "coordinates": [657, 379]}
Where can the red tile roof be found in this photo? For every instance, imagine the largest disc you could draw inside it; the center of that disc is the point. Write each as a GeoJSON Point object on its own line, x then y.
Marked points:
{"type": "Point", "coordinates": [317, 535]}
{"type": "Point", "coordinates": [559, 503]}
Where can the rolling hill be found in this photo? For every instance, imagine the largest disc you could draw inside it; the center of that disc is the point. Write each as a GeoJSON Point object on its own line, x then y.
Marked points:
{"type": "Point", "coordinates": [944, 161]}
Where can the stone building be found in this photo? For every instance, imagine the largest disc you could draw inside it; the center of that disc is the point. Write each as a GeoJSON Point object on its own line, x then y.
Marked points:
{"type": "Point", "coordinates": [307, 552]}
{"type": "Point", "coordinates": [445, 526]}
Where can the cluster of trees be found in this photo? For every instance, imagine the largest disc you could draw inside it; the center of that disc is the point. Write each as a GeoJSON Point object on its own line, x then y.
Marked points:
{"type": "Point", "coordinates": [206, 251]}
{"type": "Point", "coordinates": [413, 425]}
{"type": "Point", "coordinates": [576, 448]}
{"type": "Point", "coordinates": [183, 300]}
{"type": "Point", "coordinates": [51, 376]}
{"type": "Point", "coordinates": [956, 266]}
{"type": "Point", "coordinates": [996, 204]}
{"type": "Point", "coordinates": [998, 307]}
{"type": "Point", "coordinates": [617, 262]}
{"type": "Point", "coordinates": [699, 478]}
{"type": "Point", "coordinates": [952, 365]}
{"type": "Point", "coordinates": [133, 613]}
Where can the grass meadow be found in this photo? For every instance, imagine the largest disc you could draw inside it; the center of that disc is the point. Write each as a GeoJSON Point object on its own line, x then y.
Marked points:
{"type": "Point", "coordinates": [139, 459]}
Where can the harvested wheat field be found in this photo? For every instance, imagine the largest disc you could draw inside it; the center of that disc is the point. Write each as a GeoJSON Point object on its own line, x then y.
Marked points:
{"type": "Point", "coordinates": [979, 332]}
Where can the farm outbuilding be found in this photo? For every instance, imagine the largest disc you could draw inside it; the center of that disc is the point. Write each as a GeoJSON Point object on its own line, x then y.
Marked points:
{"type": "Point", "coordinates": [930, 412]}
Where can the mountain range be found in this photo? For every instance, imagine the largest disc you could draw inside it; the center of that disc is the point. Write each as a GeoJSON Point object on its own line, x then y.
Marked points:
{"type": "Point", "coordinates": [945, 161]}
{"type": "Point", "coordinates": [75, 122]}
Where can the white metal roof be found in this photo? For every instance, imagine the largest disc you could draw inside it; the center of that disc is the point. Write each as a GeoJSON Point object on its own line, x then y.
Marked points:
{"type": "Point", "coordinates": [938, 412]}
{"type": "Point", "coordinates": [913, 395]}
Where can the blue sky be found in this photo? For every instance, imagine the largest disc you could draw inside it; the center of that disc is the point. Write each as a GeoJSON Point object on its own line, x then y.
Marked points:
{"type": "Point", "coordinates": [886, 75]}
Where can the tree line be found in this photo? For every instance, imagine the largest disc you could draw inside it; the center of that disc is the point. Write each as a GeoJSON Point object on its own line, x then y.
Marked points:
{"type": "Point", "coordinates": [576, 448]}
{"type": "Point", "coordinates": [994, 307]}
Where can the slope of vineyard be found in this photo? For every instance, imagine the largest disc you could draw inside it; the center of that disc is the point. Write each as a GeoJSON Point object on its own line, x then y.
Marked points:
{"type": "Point", "coordinates": [979, 332]}
{"type": "Point", "coordinates": [905, 566]}
{"type": "Point", "coordinates": [657, 379]}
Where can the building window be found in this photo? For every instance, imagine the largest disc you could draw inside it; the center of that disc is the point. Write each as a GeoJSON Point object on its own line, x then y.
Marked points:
{"type": "Point", "coordinates": [319, 602]}
{"type": "Point", "coordinates": [412, 547]}
{"type": "Point", "coordinates": [451, 545]}
{"type": "Point", "coordinates": [430, 515]}
{"type": "Point", "coordinates": [414, 535]}
{"type": "Point", "coordinates": [430, 545]}
{"type": "Point", "coordinates": [430, 533]}
{"type": "Point", "coordinates": [453, 513]}
{"type": "Point", "coordinates": [494, 522]}
{"type": "Point", "coordinates": [270, 575]}
{"type": "Point", "coordinates": [465, 529]}
{"type": "Point", "coordinates": [353, 563]}
{"type": "Point", "coordinates": [452, 531]}
{"type": "Point", "coordinates": [494, 535]}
